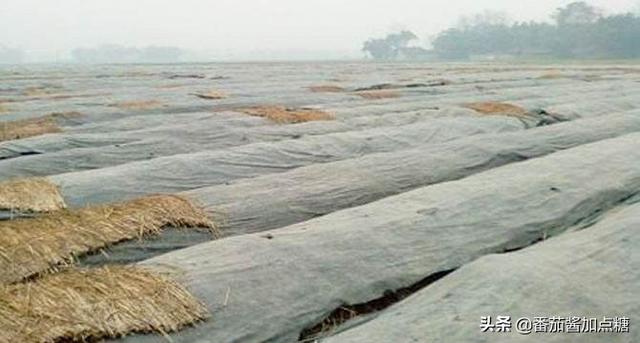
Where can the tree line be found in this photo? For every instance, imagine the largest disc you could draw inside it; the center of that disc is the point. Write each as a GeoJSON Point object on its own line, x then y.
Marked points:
{"type": "Point", "coordinates": [578, 30]}
{"type": "Point", "coordinates": [123, 54]}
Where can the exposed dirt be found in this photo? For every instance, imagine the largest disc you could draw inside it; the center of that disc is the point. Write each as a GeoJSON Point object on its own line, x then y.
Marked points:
{"type": "Point", "coordinates": [348, 312]}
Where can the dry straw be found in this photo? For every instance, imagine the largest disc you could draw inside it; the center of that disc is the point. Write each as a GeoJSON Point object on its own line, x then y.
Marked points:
{"type": "Point", "coordinates": [497, 108]}
{"type": "Point", "coordinates": [53, 92]}
{"type": "Point", "coordinates": [30, 195]}
{"type": "Point", "coordinates": [31, 246]}
{"type": "Point", "coordinates": [551, 75]}
{"type": "Point", "coordinates": [73, 96]}
{"type": "Point", "coordinates": [81, 305]}
{"type": "Point", "coordinates": [66, 115]}
{"type": "Point", "coordinates": [286, 115]}
{"type": "Point", "coordinates": [41, 90]}
{"type": "Point", "coordinates": [326, 89]}
{"type": "Point", "coordinates": [10, 130]}
{"type": "Point", "coordinates": [138, 105]}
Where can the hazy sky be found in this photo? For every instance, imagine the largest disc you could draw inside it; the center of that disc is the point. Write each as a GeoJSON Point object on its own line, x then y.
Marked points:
{"type": "Point", "coordinates": [46, 28]}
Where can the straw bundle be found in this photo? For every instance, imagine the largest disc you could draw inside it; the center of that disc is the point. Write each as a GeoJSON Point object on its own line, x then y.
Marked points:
{"type": "Point", "coordinates": [36, 245]}
{"type": "Point", "coordinates": [497, 108]}
{"type": "Point", "coordinates": [23, 128]}
{"type": "Point", "coordinates": [30, 194]}
{"type": "Point", "coordinates": [281, 114]}
{"type": "Point", "coordinates": [89, 304]}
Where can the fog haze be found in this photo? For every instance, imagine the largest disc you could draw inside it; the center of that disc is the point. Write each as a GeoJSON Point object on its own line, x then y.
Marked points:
{"type": "Point", "coordinates": [243, 29]}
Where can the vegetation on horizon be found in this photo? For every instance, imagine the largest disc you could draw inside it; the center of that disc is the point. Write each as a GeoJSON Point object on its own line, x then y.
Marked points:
{"type": "Point", "coordinates": [578, 30]}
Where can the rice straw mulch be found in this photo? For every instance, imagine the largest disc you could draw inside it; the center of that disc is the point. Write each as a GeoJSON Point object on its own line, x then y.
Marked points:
{"type": "Point", "coordinates": [32, 246]}
{"type": "Point", "coordinates": [81, 305]}
{"type": "Point", "coordinates": [138, 105]}
{"type": "Point", "coordinates": [287, 115]}
{"type": "Point", "coordinates": [326, 89]}
{"type": "Point", "coordinates": [23, 128]}
{"type": "Point", "coordinates": [497, 108]}
{"type": "Point", "coordinates": [552, 75]}
{"type": "Point", "coordinates": [30, 195]}
{"type": "Point", "coordinates": [43, 90]}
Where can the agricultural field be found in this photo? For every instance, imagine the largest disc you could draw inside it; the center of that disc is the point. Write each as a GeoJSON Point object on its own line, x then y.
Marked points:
{"type": "Point", "coordinates": [337, 202]}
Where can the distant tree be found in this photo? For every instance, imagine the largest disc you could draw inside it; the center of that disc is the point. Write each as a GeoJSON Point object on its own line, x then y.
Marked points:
{"type": "Point", "coordinates": [452, 44]}
{"type": "Point", "coordinates": [122, 54]}
{"type": "Point", "coordinates": [579, 31]}
{"type": "Point", "coordinates": [401, 39]}
{"type": "Point", "coordinates": [160, 54]}
{"type": "Point", "coordinates": [575, 30]}
{"type": "Point", "coordinates": [576, 13]}
{"type": "Point", "coordinates": [109, 53]}
{"type": "Point", "coordinates": [485, 33]}
{"type": "Point", "coordinates": [11, 56]}
{"type": "Point", "coordinates": [618, 36]}
{"type": "Point", "coordinates": [378, 49]}
{"type": "Point", "coordinates": [532, 38]}
{"type": "Point", "coordinates": [388, 48]}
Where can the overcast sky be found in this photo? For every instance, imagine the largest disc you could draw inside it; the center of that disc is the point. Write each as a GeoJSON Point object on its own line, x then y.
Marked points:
{"type": "Point", "coordinates": [49, 28]}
